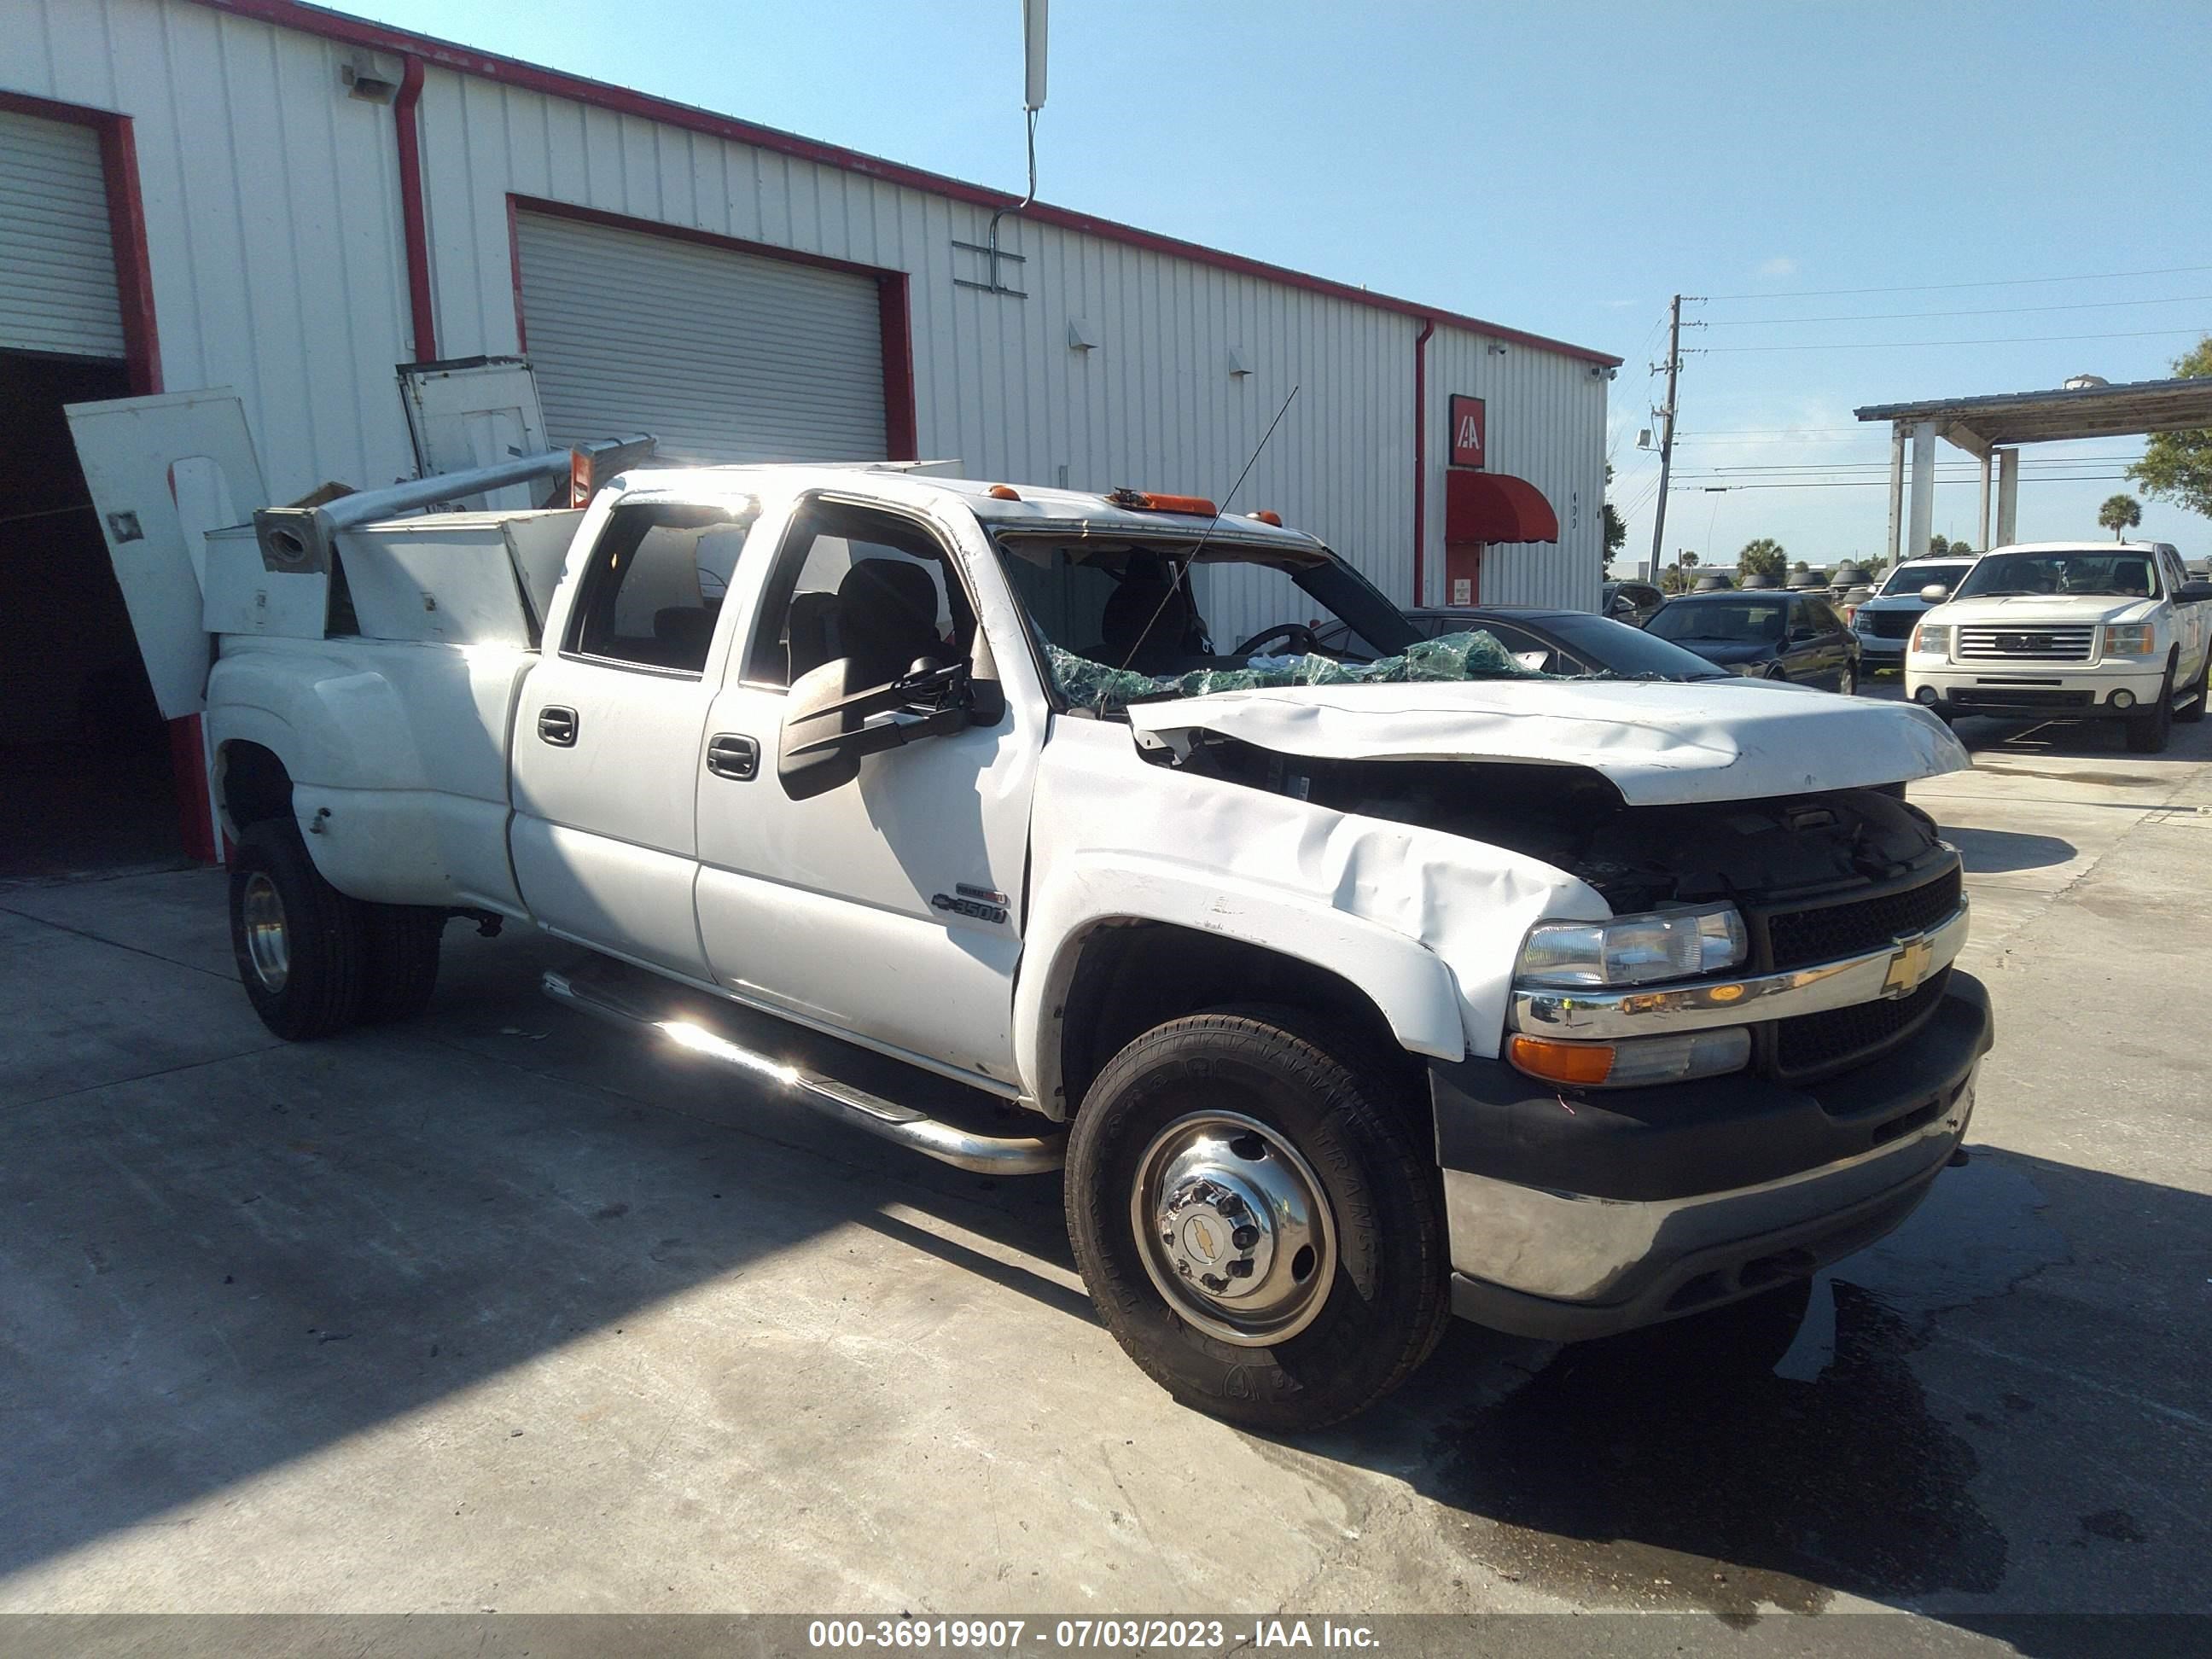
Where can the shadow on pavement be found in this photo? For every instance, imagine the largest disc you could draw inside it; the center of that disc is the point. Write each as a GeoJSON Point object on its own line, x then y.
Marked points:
{"type": "Point", "coordinates": [2001, 852]}
{"type": "Point", "coordinates": [200, 1281]}
{"type": "Point", "coordinates": [216, 1270]}
{"type": "Point", "coordinates": [1943, 1436]}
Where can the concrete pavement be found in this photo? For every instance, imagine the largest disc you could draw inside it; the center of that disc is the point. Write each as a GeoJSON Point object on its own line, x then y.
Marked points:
{"type": "Point", "coordinates": [497, 1310]}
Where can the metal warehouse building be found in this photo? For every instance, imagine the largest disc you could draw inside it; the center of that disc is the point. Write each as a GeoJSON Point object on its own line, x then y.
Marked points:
{"type": "Point", "coordinates": [261, 196]}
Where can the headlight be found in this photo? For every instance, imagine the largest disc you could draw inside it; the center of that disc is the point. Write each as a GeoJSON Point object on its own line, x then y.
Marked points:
{"type": "Point", "coordinates": [2130, 639]}
{"type": "Point", "coordinates": [1931, 639]}
{"type": "Point", "coordinates": [1862, 621]}
{"type": "Point", "coordinates": [1634, 950]}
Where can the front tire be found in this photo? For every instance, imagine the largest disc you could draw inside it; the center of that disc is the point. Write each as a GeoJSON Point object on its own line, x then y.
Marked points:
{"type": "Point", "coordinates": [1775, 671]}
{"type": "Point", "coordinates": [2149, 733]}
{"type": "Point", "coordinates": [300, 943]}
{"type": "Point", "coordinates": [1847, 683]}
{"type": "Point", "coordinates": [1260, 1226]}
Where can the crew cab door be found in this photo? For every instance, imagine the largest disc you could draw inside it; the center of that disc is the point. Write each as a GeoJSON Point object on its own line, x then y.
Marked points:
{"type": "Point", "coordinates": [888, 908]}
{"type": "Point", "coordinates": [2192, 619]}
{"type": "Point", "coordinates": [608, 732]}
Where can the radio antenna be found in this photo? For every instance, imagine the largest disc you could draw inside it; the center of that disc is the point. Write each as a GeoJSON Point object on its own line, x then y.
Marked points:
{"type": "Point", "coordinates": [1181, 569]}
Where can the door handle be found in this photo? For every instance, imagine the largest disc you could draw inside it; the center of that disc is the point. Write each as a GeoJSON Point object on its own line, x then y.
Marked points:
{"type": "Point", "coordinates": [729, 756]}
{"type": "Point", "coordinates": [557, 725]}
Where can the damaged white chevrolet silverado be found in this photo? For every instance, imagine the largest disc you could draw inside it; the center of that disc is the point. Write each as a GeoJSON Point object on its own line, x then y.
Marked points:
{"type": "Point", "coordinates": [1355, 989]}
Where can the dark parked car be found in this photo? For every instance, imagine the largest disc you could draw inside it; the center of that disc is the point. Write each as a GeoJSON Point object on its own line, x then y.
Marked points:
{"type": "Point", "coordinates": [1633, 602]}
{"type": "Point", "coordinates": [1556, 642]}
{"type": "Point", "coordinates": [1779, 635]}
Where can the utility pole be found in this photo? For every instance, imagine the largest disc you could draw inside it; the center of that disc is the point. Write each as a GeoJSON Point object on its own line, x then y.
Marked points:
{"type": "Point", "coordinates": [1667, 436]}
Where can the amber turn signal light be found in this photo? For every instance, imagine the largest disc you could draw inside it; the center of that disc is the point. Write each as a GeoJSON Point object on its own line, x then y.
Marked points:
{"type": "Point", "coordinates": [1585, 1064]}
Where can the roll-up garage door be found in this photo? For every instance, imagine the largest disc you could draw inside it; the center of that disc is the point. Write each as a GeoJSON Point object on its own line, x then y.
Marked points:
{"type": "Point", "coordinates": [58, 277]}
{"type": "Point", "coordinates": [721, 354]}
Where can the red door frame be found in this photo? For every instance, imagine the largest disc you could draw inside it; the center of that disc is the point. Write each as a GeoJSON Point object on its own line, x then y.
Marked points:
{"type": "Point", "coordinates": [894, 305]}
{"type": "Point", "coordinates": [126, 229]}
{"type": "Point", "coordinates": [141, 358]}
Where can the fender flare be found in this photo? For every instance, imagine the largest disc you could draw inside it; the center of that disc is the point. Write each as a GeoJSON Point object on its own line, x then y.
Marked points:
{"type": "Point", "coordinates": [343, 738]}
{"type": "Point", "coordinates": [1412, 986]}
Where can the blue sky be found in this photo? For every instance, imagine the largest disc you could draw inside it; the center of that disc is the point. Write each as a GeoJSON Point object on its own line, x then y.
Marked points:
{"type": "Point", "coordinates": [1563, 168]}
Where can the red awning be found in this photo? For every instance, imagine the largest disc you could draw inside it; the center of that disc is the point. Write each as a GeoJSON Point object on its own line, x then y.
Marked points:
{"type": "Point", "coordinates": [1496, 506]}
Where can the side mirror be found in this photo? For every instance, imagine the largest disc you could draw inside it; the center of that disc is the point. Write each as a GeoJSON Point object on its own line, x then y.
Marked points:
{"type": "Point", "coordinates": [829, 728]}
{"type": "Point", "coordinates": [1934, 593]}
{"type": "Point", "coordinates": [2193, 592]}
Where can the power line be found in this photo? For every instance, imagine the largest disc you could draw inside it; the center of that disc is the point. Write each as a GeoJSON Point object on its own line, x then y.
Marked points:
{"type": "Point", "coordinates": [1915, 345]}
{"type": "Point", "coordinates": [1693, 489]}
{"type": "Point", "coordinates": [1978, 311]}
{"type": "Point", "coordinates": [1941, 288]}
{"type": "Point", "coordinates": [2038, 461]}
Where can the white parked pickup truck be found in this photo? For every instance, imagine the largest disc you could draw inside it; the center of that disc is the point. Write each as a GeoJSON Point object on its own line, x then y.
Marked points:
{"type": "Point", "coordinates": [2069, 631]}
{"type": "Point", "coordinates": [1354, 989]}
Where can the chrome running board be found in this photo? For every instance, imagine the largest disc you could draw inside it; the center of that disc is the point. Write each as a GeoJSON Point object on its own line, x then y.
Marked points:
{"type": "Point", "coordinates": [687, 1025]}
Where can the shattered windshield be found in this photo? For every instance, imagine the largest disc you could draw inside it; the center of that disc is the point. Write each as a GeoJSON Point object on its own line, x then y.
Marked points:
{"type": "Point", "coordinates": [1118, 621]}
{"type": "Point", "coordinates": [2118, 574]}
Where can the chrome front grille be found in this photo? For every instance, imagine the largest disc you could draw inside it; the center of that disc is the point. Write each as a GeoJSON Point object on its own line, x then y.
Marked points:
{"type": "Point", "coordinates": [1892, 625]}
{"type": "Point", "coordinates": [2026, 644]}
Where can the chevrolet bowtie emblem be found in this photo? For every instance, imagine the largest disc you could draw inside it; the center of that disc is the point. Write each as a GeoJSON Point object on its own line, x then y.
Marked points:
{"type": "Point", "coordinates": [1908, 968]}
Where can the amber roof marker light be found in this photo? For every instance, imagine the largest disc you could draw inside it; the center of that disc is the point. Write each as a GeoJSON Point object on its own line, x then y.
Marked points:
{"type": "Point", "coordinates": [1152, 500]}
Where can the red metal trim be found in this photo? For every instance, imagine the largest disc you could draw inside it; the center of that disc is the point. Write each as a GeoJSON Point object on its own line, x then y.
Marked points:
{"type": "Point", "coordinates": [686, 233]}
{"type": "Point", "coordinates": [894, 306]}
{"type": "Point", "coordinates": [553, 83]}
{"type": "Point", "coordinates": [414, 222]}
{"type": "Point", "coordinates": [134, 269]}
{"type": "Point", "coordinates": [195, 810]}
{"type": "Point", "coordinates": [126, 229]}
{"type": "Point", "coordinates": [1421, 461]}
{"type": "Point", "coordinates": [514, 276]}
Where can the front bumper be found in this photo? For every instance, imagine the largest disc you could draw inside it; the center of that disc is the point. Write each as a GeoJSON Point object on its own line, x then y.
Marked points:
{"type": "Point", "coordinates": [2030, 691]}
{"type": "Point", "coordinates": [1875, 652]}
{"type": "Point", "coordinates": [1571, 1219]}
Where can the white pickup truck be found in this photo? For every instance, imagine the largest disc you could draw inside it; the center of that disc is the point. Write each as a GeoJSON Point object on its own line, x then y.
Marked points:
{"type": "Point", "coordinates": [2068, 631]}
{"type": "Point", "coordinates": [1354, 989]}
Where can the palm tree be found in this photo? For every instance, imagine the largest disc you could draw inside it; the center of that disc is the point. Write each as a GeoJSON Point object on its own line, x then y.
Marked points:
{"type": "Point", "coordinates": [2120, 514]}
{"type": "Point", "coordinates": [1763, 557]}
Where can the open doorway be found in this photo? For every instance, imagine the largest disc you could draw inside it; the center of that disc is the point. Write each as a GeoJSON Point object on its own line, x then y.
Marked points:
{"type": "Point", "coordinates": [86, 784]}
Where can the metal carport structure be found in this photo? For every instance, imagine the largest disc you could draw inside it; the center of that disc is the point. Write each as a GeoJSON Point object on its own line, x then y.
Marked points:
{"type": "Point", "coordinates": [1993, 427]}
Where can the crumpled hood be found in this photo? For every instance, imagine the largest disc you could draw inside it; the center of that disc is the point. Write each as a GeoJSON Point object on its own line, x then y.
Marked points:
{"type": "Point", "coordinates": [2063, 609]}
{"type": "Point", "coordinates": [1661, 743]}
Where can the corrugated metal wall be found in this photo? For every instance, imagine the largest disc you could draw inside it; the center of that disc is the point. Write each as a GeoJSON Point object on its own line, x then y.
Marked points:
{"type": "Point", "coordinates": [272, 218]}
{"type": "Point", "coordinates": [272, 213]}
{"type": "Point", "coordinates": [1547, 424]}
{"type": "Point", "coordinates": [997, 383]}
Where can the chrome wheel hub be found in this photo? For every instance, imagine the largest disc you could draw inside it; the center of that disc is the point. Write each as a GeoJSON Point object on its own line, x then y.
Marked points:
{"type": "Point", "coordinates": [267, 945]}
{"type": "Point", "coordinates": [1234, 1228]}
